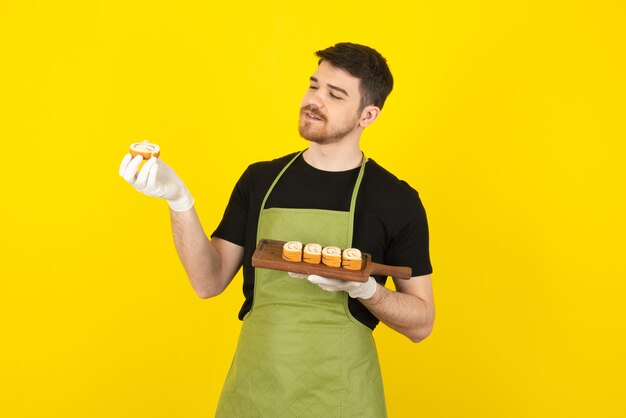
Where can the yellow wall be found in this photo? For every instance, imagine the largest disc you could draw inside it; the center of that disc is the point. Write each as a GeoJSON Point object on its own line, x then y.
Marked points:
{"type": "Point", "coordinates": [507, 117]}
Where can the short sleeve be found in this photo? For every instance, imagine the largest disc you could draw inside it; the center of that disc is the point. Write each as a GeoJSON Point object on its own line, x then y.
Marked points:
{"type": "Point", "coordinates": [409, 245]}
{"type": "Point", "coordinates": [233, 224]}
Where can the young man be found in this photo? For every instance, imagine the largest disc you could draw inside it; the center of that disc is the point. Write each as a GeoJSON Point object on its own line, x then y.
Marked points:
{"type": "Point", "coordinates": [306, 344]}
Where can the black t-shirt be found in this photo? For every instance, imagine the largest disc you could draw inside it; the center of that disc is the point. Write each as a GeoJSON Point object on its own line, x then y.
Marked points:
{"type": "Point", "coordinates": [389, 221]}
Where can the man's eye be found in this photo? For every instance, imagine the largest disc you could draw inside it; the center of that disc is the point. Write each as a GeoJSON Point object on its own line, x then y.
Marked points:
{"type": "Point", "coordinates": [313, 87]}
{"type": "Point", "coordinates": [335, 97]}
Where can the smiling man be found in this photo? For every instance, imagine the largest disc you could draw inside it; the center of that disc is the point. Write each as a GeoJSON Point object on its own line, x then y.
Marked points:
{"type": "Point", "coordinates": [306, 346]}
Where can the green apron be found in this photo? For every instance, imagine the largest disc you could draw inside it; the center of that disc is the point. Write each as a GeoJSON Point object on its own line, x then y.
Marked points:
{"type": "Point", "coordinates": [300, 352]}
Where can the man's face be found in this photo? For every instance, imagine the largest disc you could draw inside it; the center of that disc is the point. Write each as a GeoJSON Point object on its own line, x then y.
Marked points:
{"type": "Point", "coordinates": [330, 108]}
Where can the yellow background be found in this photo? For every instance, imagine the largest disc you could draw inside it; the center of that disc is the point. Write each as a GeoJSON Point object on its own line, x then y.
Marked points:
{"type": "Point", "coordinates": [508, 117]}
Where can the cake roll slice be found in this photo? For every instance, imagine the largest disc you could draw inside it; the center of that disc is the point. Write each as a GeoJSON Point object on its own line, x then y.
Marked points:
{"type": "Point", "coordinates": [292, 251]}
{"type": "Point", "coordinates": [312, 253]}
{"type": "Point", "coordinates": [146, 149]}
{"type": "Point", "coordinates": [351, 259]}
{"type": "Point", "coordinates": [331, 256]}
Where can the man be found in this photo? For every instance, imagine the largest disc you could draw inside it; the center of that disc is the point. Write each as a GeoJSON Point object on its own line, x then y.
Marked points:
{"type": "Point", "coordinates": [306, 346]}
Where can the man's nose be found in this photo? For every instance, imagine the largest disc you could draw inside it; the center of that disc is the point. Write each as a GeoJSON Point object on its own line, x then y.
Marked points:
{"type": "Point", "coordinates": [314, 98]}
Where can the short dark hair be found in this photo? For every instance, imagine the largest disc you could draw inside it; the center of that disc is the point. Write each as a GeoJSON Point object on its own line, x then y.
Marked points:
{"type": "Point", "coordinates": [364, 63]}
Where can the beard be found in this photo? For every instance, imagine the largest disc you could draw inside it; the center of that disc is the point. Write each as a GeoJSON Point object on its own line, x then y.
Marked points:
{"type": "Point", "coordinates": [319, 131]}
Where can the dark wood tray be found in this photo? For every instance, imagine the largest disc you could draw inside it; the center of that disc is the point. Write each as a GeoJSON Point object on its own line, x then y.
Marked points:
{"type": "Point", "coordinates": [269, 255]}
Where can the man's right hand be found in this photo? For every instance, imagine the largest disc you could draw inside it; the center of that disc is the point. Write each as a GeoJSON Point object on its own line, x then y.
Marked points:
{"type": "Point", "coordinates": [157, 179]}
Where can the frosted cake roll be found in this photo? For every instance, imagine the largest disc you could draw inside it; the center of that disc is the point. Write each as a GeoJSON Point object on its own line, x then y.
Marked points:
{"type": "Point", "coordinates": [312, 253]}
{"type": "Point", "coordinates": [146, 149]}
{"type": "Point", "coordinates": [292, 251]}
{"type": "Point", "coordinates": [351, 259]}
{"type": "Point", "coordinates": [331, 256]}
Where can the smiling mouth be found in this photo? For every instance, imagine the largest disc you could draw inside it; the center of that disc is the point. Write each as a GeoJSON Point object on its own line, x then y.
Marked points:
{"type": "Point", "coordinates": [313, 116]}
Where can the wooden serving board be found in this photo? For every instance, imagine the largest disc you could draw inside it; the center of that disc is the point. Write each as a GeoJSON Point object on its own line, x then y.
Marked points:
{"type": "Point", "coordinates": [269, 255]}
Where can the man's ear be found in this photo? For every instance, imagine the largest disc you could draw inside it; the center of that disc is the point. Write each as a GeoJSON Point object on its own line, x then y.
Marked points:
{"type": "Point", "coordinates": [368, 115]}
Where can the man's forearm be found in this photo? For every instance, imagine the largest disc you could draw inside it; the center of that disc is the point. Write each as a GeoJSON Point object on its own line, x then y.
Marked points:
{"type": "Point", "coordinates": [197, 254]}
{"type": "Point", "coordinates": [405, 313]}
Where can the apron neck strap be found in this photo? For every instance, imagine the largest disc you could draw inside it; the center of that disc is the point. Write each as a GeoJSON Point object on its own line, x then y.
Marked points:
{"type": "Point", "coordinates": [269, 191]}
{"type": "Point", "coordinates": [355, 192]}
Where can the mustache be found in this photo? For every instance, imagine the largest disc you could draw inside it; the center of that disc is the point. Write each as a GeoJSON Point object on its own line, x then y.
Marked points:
{"type": "Point", "coordinates": [313, 110]}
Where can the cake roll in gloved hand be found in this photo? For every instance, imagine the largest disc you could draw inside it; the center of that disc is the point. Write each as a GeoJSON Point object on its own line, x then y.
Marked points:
{"type": "Point", "coordinates": [156, 179]}
{"type": "Point", "coordinates": [361, 290]}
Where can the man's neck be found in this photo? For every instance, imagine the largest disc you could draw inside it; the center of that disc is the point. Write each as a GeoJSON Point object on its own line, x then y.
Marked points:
{"type": "Point", "coordinates": [338, 156]}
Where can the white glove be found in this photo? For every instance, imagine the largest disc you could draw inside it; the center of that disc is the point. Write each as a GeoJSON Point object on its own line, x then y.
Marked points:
{"type": "Point", "coordinates": [361, 290]}
{"type": "Point", "coordinates": [157, 179]}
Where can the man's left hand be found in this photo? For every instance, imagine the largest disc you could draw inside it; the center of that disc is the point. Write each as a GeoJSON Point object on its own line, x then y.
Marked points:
{"type": "Point", "coordinates": [361, 290]}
